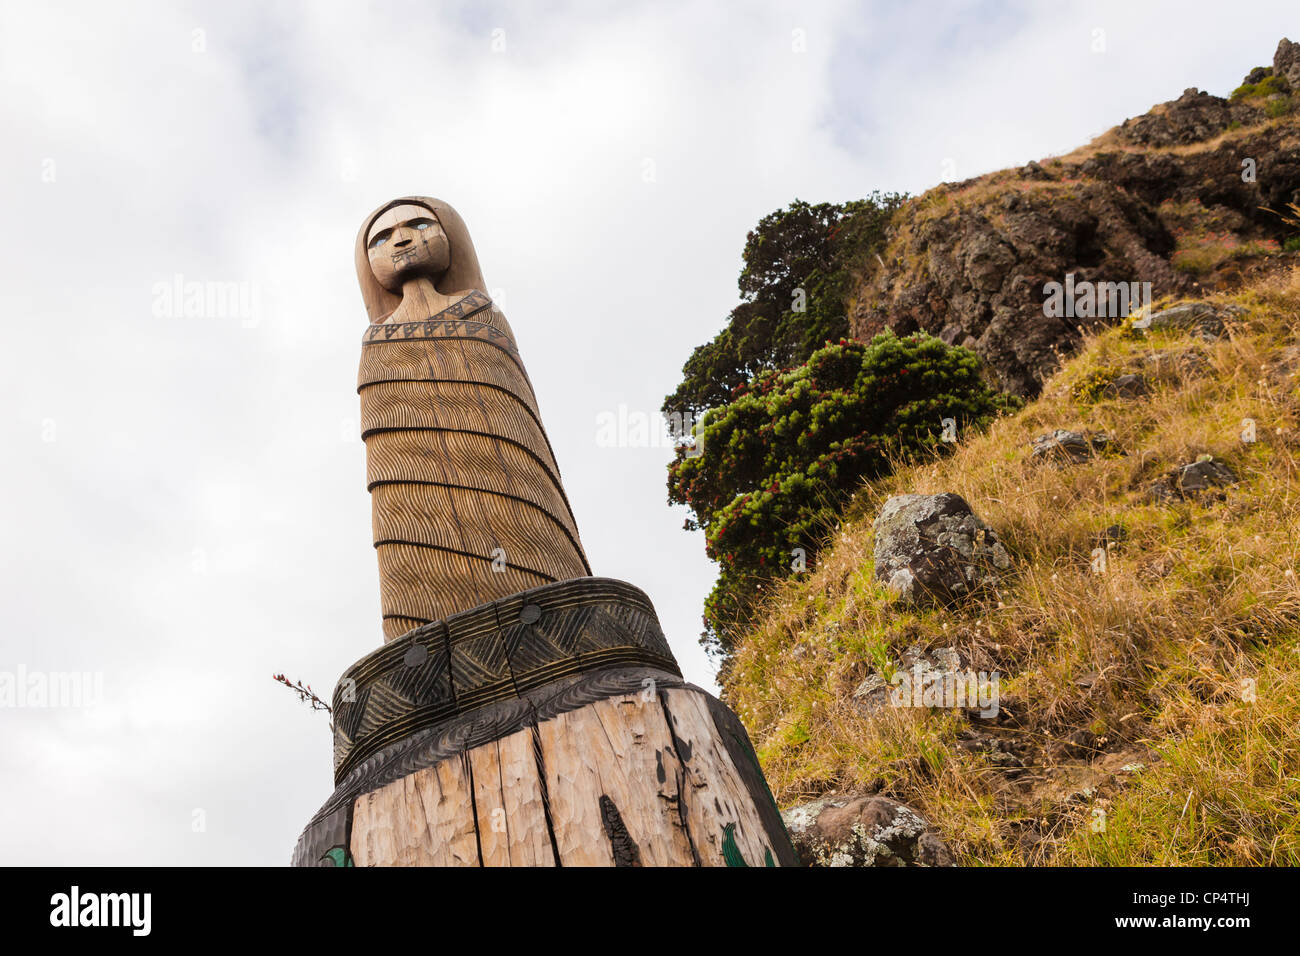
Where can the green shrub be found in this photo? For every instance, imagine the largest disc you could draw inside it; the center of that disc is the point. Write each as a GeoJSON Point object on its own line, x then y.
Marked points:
{"type": "Point", "coordinates": [1278, 107]}
{"type": "Point", "coordinates": [1087, 388]}
{"type": "Point", "coordinates": [1265, 87]}
{"type": "Point", "coordinates": [777, 464]}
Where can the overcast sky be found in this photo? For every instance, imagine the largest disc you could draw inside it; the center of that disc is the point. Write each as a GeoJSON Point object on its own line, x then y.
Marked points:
{"type": "Point", "coordinates": [183, 497]}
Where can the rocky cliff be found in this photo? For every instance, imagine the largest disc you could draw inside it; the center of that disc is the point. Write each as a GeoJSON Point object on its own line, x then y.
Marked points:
{"type": "Point", "coordinates": [1178, 197]}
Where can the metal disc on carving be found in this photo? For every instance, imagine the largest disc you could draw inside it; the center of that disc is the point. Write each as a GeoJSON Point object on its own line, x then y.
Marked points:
{"type": "Point", "coordinates": [530, 614]}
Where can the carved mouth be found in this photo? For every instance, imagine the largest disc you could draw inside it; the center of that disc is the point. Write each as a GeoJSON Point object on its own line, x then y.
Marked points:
{"type": "Point", "coordinates": [399, 257]}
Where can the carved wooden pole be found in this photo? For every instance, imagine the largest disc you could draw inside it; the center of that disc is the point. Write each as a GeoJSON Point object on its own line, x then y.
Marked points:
{"type": "Point", "coordinates": [520, 712]}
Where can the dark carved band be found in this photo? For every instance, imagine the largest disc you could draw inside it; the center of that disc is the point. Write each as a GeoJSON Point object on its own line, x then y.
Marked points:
{"type": "Point", "coordinates": [495, 652]}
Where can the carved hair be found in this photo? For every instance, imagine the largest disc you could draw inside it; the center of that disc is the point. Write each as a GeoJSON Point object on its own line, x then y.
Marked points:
{"type": "Point", "coordinates": [462, 275]}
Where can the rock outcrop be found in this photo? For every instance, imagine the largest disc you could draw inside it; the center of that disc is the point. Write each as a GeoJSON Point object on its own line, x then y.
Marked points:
{"type": "Point", "coordinates": [1192, 118]}
{"type": "Point", "coordinates": [942, 667]}
{"type": "Point", "coordinates": [1199, 318]}
{"type": "Point", "coordinates": [1193, 480]}
{"type": "Point", "coordinates": [1286, 63]}
{"type": "Point", "coordinates": [1067, 447]}
{"type": "Point", "coordinates": [932, 549]}
{"type": "Point", "coordinates": [863, 830]}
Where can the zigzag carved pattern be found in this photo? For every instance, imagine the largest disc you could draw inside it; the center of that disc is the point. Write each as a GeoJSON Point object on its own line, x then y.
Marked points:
{"type": "Point", "coordinates": [490, 654]}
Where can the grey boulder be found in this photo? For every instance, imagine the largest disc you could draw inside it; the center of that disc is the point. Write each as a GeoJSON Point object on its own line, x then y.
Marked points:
{"type": "Point", "coordinates": [1067, 447]}
{"type": "Point", "coordinates": [1192, 480]}
{"type": "Point", "coordinates": [932, 549]}
{"type": "Point", "coordinates": [856, 830]}
{"type": "Point", "coordinates": [1199, 318]}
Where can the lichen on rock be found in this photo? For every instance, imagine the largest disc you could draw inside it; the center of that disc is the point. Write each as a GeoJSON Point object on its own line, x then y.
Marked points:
{"type": "Point", "coordinates": [933, 549]}
{"type": "Point", "coordinates": [864, 830]}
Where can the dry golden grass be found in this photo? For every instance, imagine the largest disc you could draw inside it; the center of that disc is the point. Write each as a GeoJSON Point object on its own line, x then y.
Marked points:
{"type": "Point", "coordinates": [1145, 664]}
{"type": "Point", "coordinates": [1110, 142]}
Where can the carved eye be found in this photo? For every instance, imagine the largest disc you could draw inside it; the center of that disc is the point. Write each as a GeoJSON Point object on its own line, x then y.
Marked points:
{"type": "Point", "coordinates": [378, 241]}
{"type": "Point", "coordinates": [422, 224]}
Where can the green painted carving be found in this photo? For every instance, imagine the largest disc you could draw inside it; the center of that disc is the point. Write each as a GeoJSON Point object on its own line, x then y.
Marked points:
{"type": "Point", "coordinates": [338, 856]}
{"type": "Point", "coordinates": [731, 853]}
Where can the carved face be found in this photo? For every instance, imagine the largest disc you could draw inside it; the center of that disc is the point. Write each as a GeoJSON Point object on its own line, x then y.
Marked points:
{"type": "Point", "coordinates": [405, 242]}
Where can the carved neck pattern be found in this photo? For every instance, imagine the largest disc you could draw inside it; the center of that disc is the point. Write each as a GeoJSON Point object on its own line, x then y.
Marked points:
{"type": "Point", "coordinates": [471, 303]}
{"type": "Point", "coordinates": [455, 321]}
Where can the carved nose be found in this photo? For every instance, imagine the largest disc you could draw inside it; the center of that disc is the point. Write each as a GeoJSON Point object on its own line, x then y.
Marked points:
{"type": "Point", "coordinates": [401, 242]}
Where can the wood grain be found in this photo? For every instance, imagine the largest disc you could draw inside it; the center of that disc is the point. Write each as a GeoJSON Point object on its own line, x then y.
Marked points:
{"type": "Point", "coordinates": [511, 814]}
{"type": "Point", "coordinates": [467, 501]}
{"type": "Point", "coordinates": [718, 805]}
{"type": "Point", "coordinates": [638, 779]}
{"type": "Point", "coordinates": [521, 712]}
{"type": "Point", "coordinates": [420, 820]}
{"type": "Point", "coordinates": [616, 750]}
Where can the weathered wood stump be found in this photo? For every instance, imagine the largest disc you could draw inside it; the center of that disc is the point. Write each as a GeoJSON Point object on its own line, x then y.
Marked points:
{"type": "Point", "coordinates": [548, 728]}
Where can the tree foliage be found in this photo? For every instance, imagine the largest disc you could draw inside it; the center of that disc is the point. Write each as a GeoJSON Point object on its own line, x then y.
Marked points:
{"type": "Point", "coordinates": [797, 258]}
{"type": "Point", "coordinates": [774, 466]}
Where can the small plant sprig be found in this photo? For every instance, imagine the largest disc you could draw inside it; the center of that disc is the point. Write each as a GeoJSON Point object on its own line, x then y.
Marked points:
{"type": "Point", "coordinates": [305, 693]}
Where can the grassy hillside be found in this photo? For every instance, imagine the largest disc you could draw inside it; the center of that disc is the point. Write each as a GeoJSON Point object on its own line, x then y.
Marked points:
{"type": "Point", "coordinates": [1150, 713]}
